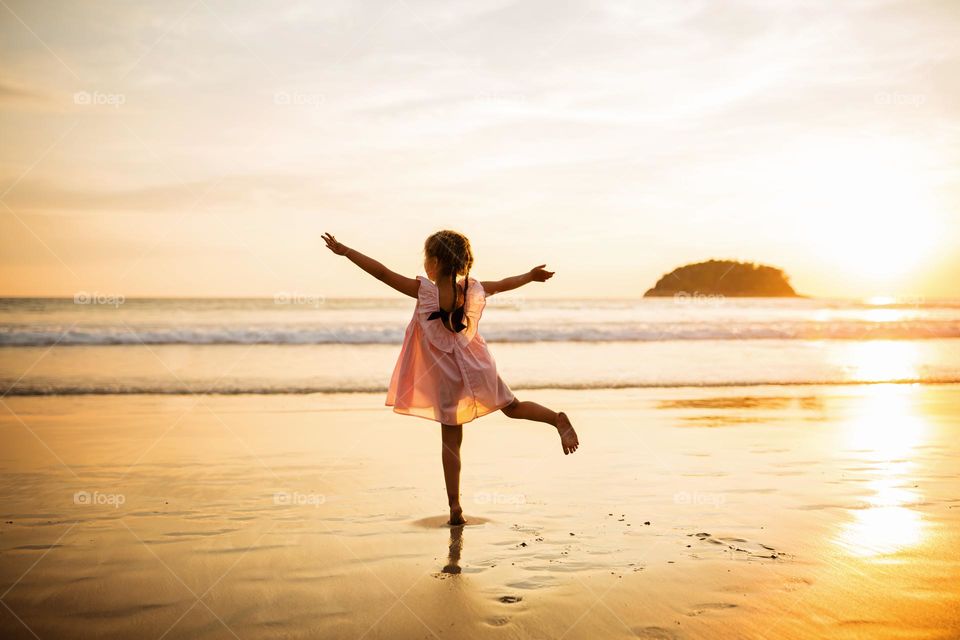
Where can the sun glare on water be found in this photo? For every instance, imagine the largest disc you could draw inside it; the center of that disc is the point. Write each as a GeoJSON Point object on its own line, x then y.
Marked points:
{"type": "Point", "coordinates": [880, 360]}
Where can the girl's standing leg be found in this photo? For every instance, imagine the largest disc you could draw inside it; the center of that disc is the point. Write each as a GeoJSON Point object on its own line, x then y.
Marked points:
{"type": "Point", "coordinates": [452, 436]}
{"type": "Point", "coordinates": [537, 412]}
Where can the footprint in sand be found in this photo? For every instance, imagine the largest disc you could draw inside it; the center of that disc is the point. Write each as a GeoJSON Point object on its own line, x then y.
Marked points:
{"type": "Point", "coordinates": [654, 633]}
{"type": "Point", "coordinates": [510, 599]}
{"type": "Point", "coordinates": [710, 606]}
{"type": "Point", "coordinates": [738, 545]}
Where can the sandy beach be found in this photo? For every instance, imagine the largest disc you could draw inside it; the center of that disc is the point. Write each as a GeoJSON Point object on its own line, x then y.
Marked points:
{"type": "Point", "coordinates": [768, 512]}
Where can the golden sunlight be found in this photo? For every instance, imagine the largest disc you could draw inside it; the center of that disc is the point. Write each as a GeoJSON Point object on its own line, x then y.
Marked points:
{"type": "Point", "coordinates": [881, 530]}
{"type": "Point", "coordinates": [869, 206]}
{"type": "Point", "coordinates": [884, 430]}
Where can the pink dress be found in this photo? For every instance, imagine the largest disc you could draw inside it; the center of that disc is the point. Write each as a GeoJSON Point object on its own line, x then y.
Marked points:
{"type": "Point", "coordinates": [445, 376]}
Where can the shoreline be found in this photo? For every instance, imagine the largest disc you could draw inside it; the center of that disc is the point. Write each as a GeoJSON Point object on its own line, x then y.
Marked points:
{"type": "Point", "coordinates": [13, 393]}
{"type": "Point", "coordinates": [777, 512]}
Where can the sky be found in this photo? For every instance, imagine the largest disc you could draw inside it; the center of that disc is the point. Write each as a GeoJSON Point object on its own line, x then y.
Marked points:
{"type": "Point", "coordinates": [201, 147]}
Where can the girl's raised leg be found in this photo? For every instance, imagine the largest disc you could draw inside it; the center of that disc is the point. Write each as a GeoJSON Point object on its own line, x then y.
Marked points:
{"type": "Point", "coordinates": [452, 436]}
{"type": "Point", "coordinates": [537, 412]}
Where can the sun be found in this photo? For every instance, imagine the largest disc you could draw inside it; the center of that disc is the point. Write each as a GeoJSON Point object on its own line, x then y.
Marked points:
{"type": "Point", "coordinates": [869, 210]}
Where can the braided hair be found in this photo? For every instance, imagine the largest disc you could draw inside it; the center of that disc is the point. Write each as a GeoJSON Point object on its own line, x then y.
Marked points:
{"type": "Point", "coordinates": [454, 256]}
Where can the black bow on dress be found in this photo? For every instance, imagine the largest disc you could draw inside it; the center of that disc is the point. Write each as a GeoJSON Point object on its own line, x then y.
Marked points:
{"type": "Point", "coordinates": [444, 315]}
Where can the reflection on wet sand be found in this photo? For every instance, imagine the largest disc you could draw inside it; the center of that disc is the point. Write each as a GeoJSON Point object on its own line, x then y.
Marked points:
{"type": "Point", "coordinates": [883, 431]}
{"type": "Point", "coordinates": [738, 402]}
{"type": "Point", "coordinates": [727, 411]}
{"type": "Point", "coordinates": [453, 555]}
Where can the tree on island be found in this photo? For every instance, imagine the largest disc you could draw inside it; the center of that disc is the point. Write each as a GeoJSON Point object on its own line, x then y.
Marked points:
{"type": "Point", "coordinates": [726, 278]}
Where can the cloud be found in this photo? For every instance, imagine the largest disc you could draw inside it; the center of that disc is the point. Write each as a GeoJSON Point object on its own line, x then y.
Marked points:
{"type": "Point", "coordinates": [14, 95]}
{"type": "Point", "coordinates": [239, 193]}
{"type": "Point", "coordinates": [646, 117]}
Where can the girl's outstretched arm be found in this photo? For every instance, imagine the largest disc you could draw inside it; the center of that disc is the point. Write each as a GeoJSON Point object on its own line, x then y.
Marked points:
{"type": "Point", "coordinates": [537, 274]}
{"type": "Point", "coordinates": [403, 284]}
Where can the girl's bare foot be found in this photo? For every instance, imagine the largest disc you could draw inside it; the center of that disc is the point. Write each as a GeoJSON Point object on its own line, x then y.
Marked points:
{"type": "Point", "coordinates": [456, 516]}
{"type": "Point", "coordinates": [568, 437]}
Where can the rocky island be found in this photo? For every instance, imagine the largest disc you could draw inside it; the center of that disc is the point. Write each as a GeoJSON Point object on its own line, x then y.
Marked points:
{"type": "Point", "coordinates": [724, 278]}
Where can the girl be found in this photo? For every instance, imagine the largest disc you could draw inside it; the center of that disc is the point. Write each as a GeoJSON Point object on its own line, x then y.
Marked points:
{"type": "Point", "coordinates": [445, 372]}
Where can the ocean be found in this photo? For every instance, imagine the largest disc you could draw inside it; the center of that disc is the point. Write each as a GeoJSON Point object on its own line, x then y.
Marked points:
{"type": "Point", "coordinates": [295, 344]}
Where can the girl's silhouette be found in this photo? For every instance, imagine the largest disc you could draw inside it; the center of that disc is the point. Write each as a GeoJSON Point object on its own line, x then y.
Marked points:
{"type": "Point", "coordinates": [445, 371]}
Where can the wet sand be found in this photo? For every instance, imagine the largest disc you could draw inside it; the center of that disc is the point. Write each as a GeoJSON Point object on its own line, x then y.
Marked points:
{"type": "Point", "coordinates": [765, 512]}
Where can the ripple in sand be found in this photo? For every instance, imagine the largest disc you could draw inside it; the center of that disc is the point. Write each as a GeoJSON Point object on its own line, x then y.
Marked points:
{"type": "Point", "coordinates": [37, 547]}
{"type": "Point", "coordinates": [654, 633]}
{"type": "Point", "coordinates": [536, 582]}
{"type": "Point", "coordinates": [120, 613]}
{"type": "Point", "coordinates": [188, 534]}
{"type": "Point", "coordinates": [56, 523]}
{"type": "Point", "coordinates": [568, 566]}
{"type": "Point", "coordinates": [187, 515]}
{"type": "Point", "coordinates": [265, 547]}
